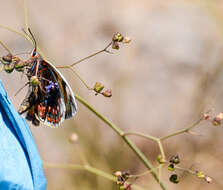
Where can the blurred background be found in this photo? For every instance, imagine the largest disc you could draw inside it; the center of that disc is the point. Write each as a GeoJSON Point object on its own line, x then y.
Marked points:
{"type": "Point", "coordinates": [162, 81]}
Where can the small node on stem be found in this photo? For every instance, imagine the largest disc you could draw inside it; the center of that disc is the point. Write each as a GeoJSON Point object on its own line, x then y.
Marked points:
{"type": "Point", "coordinates": [160, 159]}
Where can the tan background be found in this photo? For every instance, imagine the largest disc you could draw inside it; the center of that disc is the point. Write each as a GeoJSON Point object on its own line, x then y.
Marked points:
{"type": "Point", "coordinates": [161, 82]}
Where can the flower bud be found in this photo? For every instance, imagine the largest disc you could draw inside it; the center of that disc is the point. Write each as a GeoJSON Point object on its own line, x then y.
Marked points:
{"type": "Point", "coordinates": [118, 173]}
{"type": "Point", "coordinates": [208, 179]}
{"type": "Point", "coordinates": [126, 40]}
{"type": "Point", "coordinates": [107, 93]}
{"type": "Point", "coordinates": [73, 138]}
{"type": "Point", "coordinates": [217, 120]}
{"type": "Point", "coordinates": [200, 174]}
{"type": "Point", "coordinates": [98, 87]}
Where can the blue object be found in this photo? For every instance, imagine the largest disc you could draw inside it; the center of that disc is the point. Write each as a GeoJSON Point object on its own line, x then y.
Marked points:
{"type": "Point", "coordinates": [20, 162]}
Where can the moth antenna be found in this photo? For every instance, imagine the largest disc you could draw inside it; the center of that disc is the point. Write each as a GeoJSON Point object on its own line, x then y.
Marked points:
{"type": "Point", "coordinates": [31, 37]}
{"type": "Point", "coordinates": [22, 53]}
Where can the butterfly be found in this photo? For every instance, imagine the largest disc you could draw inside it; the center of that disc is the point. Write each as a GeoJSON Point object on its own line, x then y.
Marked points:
{"type": "Point", "coordinates": [50, 99]}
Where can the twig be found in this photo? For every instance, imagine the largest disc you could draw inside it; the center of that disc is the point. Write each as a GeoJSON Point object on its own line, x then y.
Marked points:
{"type": "Point", "coordinates": [185, 130]}
{"type": "Point", "coordinates": [88, 169]}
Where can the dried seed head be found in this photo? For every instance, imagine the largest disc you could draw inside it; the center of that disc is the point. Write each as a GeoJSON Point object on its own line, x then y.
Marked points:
{"type": "Point", "coordinates": [175, 159]}
{"type": "Point", "coordinates": [115, 45]}
{"type": "Point", "coordinates": [117, 37]}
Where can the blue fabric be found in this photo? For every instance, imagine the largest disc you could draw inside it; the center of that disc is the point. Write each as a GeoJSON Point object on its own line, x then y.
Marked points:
{"type": "Point", "coordinates": [20, 162]}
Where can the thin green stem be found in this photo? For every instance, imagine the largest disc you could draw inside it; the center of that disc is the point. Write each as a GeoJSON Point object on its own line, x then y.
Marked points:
{"type": "Point", "coordinates": [87, 168]}
{"type": "Point", "coordinates": [157, 140]}
{"type": "Point", "coordinates": [161, 149]}
{"type": "Point", "coordinates": [141, 135]}
{"type": "Point", "coordinates": [139, 154]}
{"type": "Point", "coordinates": [26, 16]}
{"type": "Point", "coordinates": [79, 77]}
{"type": "Point", "coordinates": [85, 58]}
{"type": "Point", "coordinates": [12, 30]}
{"type": "Point", "coordinates": [185, 130]}
{"type": "Point", "coordinates": [144, 173]}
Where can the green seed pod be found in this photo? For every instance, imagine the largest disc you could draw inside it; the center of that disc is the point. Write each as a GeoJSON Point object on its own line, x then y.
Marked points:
{"type": "Point", "coordinates": [19, 66]}
{"type": "Point", "coordinates": [34, 80]}
{"type": "Point", "coordinates": [98, 87]}
{"type": "Point", "coordinates": [174, 178]}
{"type": "Point", "coordinates": [9, 67]}
{"type": "Point", "coordinates": [171, 167]}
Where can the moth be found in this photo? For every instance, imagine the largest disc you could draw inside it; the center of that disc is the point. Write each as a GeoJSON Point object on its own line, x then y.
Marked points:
{"type": "Point", "coordinates": [50, 99]}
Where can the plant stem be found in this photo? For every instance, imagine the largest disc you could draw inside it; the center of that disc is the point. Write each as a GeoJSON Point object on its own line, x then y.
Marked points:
{"type": "Point", "coordinates": [88, 169]}
{"type": "Point", "coordinates": [157, 140]}
{"type": "Point", "coordinates": [141, 135]}
{"type": "Point", "coordinates": [139, 154]}
{"type": "Point", "coordinates": [185, 130]}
